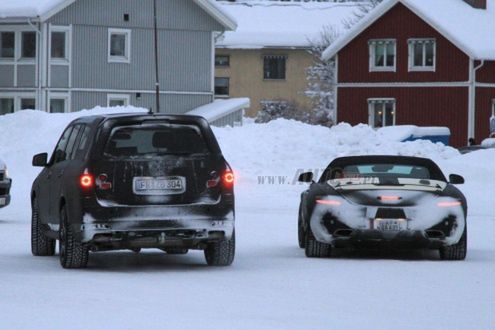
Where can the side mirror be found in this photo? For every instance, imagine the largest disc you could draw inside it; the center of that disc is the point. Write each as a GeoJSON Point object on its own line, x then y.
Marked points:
{"type": "Point", "coordinates": [306, 177]}
{"type": "Point", "coordinates": [40, 160]}
{"type": "Point", "coordinates": [456, 179]}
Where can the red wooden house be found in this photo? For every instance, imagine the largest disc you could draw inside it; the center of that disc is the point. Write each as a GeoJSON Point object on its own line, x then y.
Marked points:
{"type": "Point", "coordinates": [420, 62]}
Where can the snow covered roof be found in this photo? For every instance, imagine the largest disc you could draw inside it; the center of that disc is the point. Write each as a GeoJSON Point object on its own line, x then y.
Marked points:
{"type": "Point", "coordinates": [30, 8]}
{"type": "Point", "coordinates": [47, 8]}
{"type": "Point", "coordinates": [470, 29]}
{"type": "Point", "coordinates": [220, 108]}
{"type": "Point", "coordinates": [273, 24]}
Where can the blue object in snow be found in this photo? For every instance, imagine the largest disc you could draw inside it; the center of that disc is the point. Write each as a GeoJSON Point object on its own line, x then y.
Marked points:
{"type": "Point", "coordinates": [433, 134]}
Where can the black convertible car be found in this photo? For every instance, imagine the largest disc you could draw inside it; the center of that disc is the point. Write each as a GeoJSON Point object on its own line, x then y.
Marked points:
{"type": "Point", "coordinates": [383, 201]}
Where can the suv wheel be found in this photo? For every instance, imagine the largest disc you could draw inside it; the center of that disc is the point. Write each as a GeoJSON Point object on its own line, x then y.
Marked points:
{"type": "Point", "coordinates": [301, 235]}
{"type": "Point", "coordinates": [315, 249]}
{"type": "Point", "coordinates": [40, 244]}
{"type": "Point", "coordinates": [221, 253]}
{"type": "Point", "coordinates": [73, 254]}
{"type": "Point", "coordinates": [457, 251]}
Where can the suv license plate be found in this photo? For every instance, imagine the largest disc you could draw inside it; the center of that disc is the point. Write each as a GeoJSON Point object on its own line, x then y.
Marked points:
{"type": "Point", "coordinates": [159, 186]}
{"type": "Point", "coordinates": [390, 224]}
{"type": "Point", "coordinates": [3, 201]}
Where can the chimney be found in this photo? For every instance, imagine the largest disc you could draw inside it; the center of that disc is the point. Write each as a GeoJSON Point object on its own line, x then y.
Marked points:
{"type": "Point", "coordinates": [478, 4]}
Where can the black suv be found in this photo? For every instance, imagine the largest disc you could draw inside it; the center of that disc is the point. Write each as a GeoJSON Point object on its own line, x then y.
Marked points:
{"type": "Point", "coordinates": [133, 181]}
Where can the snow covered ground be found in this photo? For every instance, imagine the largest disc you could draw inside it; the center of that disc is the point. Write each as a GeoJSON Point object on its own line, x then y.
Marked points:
{"type": "Point", "coordinates": [271, 285]}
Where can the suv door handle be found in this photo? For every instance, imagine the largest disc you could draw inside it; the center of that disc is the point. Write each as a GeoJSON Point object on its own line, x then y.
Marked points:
{"type": "Point", "coordinates": [60, 173]}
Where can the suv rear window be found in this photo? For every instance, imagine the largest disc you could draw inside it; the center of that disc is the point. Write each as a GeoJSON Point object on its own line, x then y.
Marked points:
{"type": "Point", "coordinates": [154, 140]}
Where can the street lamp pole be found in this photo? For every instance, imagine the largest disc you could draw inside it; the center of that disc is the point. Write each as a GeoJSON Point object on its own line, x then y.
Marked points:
{"type": "Point", "coordinates": [157, 76]}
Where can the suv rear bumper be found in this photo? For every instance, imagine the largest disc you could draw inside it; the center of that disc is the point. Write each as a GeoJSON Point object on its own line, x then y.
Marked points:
{"type": "Point", "coordinates": [5, 192]}
{"type": "Point", "coordinates": [190, 222]}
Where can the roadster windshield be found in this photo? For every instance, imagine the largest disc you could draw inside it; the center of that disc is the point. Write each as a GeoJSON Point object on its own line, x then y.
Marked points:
{"type": "Point", "coordinates": [384, 173]}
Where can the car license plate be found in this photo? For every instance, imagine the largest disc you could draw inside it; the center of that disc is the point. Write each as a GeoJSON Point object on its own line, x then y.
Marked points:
{"type": "Point", "coordinates": [159, 186]}
{"type": "Point", "coordinates": [390, 224]}
{"type": "Point", "coordinates": [3, 201]}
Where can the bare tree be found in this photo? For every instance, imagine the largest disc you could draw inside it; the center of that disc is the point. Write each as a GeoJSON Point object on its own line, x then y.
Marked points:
{"type": "Point", "coordinates": [363, 9]}
{"type": "Point", "coordinates": [321, 77]}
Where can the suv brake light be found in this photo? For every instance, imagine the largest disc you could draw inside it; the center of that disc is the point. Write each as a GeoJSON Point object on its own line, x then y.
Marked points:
{"type": "Point", "coordinates": [228, 178]}
{"type": "Point", "coordinates": [86, 180]}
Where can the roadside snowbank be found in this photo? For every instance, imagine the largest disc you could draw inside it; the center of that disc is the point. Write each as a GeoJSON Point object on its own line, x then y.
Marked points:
{"type": "Point", "coordinates": [282, 147]}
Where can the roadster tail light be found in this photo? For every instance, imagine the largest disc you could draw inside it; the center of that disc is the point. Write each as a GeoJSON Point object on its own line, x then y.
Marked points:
{"type": "Point", "coordinates": [449, 204]}
{"type": "Point", "coordinates": [328, 202]}
{"type": "Point", "coordinates": [389, 198]}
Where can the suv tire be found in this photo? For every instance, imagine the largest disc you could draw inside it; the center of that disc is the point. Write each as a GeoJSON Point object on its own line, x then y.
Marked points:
{"type": "Point", "coordinates": [301, 235]}
{"type": "Point", "coordinates": [73, 254]}
{"type": "Point", "coordinates": [221, 253]}
{"type": "Point", "coordinates": [457, 251]}
{"type": "Point", "coordinates": [41, 245]}
{"type": "Point", "coordinates": [315, 249]}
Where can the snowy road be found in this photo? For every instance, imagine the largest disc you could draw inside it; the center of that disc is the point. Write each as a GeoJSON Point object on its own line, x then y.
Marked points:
{"type": "Point", "coordinates": [271, 285]}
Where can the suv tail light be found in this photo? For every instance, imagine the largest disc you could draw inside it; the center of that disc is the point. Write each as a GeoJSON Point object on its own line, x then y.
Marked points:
{"type": "Point", "coordinates": [228, 178]}
{"type": "Point", "coordinates": [86, 181]}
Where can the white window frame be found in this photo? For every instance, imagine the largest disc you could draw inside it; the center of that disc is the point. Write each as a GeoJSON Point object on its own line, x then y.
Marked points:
{"type": "Point", "coordinates": [371, 45]}
{"type": "Point", "coordinates": [223, 95]}
{"type": "Point", "coordinates": [279, 57]}
{"type": "Point", "coordinates": [222, 66]}
{"type": "Point", "coordinates": [18, 59]}
{"type": "Point", "coordinates": [67, 31]}
{"type": "Point", "coordinates": [28, 59]}
{"type": "Point", "coordinates": [119, 97]}
{"type": "Point", "coordinates": [411, 43]}
{"type": "Point", "coordinates": [17, 96]}
{"type": "Point", "coordinates": [371, 110]}
{"type": "Point", "coordinates": [120, 59]}
{"type": "Point", "coordinates": [7, 96]}
{"type": "Point", "coordinates": [59, 96]}
{"type": "Point", "coordinates": [10, 59]}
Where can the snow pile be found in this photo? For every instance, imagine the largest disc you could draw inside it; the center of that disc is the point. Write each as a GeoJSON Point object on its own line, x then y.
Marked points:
{"type": "Point", "coordinates": [488, 143]}
{"type": "Point", "coordinates": [273, 24]}
{"type": "Point", "coordinates": [281, 147]}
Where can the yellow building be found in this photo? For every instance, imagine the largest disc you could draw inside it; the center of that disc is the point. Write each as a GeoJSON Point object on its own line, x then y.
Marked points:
{"type": "Point", "coordinates": [263, 75]}
{"type": "Point", "coordinates": [267, 57]}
